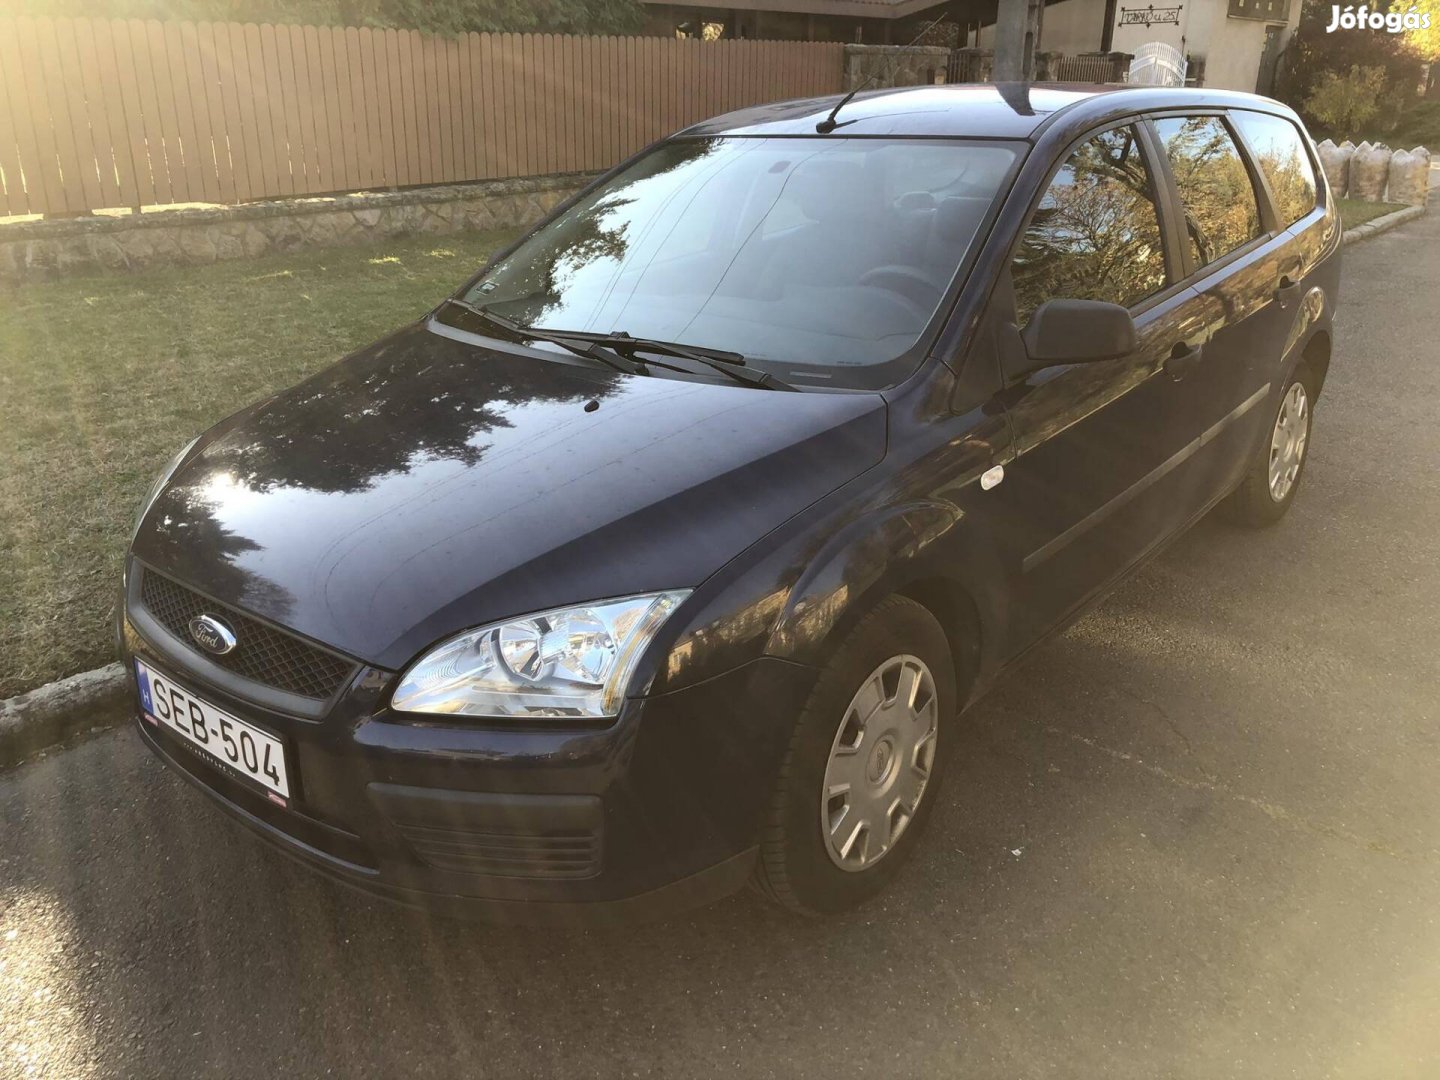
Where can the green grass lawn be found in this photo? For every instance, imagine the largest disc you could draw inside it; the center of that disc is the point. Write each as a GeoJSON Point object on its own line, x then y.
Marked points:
{"type": "Point", "coordinates": [1356, 211]}
{"type": "Point", "coordinates": [103, 378]}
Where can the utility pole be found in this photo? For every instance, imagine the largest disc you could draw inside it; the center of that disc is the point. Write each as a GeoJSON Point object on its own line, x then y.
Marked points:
{"type": "Point", "coordinates": [1017, 33]}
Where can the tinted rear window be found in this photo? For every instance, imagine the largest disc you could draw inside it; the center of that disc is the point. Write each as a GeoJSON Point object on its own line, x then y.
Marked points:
{"type": "Point", "coordinates": [1221, 213]}
{"type": "Point", "coordinates": [1284, 161]}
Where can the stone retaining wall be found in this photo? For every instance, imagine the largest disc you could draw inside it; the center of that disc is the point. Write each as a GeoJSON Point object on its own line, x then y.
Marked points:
{"type": "Point", "coordinates": [874, 66]}
{"type": "Point", "coordinates": [50, 248]}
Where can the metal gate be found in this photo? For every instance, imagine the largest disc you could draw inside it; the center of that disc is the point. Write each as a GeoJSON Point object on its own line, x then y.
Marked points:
{"type": "Point", "coordinates": [1096, 68]}
{"type": "Point", "coordinates": [972, 65]}
{"type": "Point", "coordinates": [969, 65]}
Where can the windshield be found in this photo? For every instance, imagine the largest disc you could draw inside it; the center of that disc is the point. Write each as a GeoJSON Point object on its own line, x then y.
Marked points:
{"type": "Point", "coordinates": [818, 258]}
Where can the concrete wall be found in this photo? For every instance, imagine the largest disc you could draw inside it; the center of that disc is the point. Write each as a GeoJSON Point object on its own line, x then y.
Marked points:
{"type": "Point", "coordinates": [40, 249]}
{"type": "Point", "coordinates": [1070, 27]}
{"type": "Point", "coordinates": [1232, 47]}
{"type": "Point", "coordinates": [1129, 38]}
{"type": "Point", "coordinates": [1073, 27]}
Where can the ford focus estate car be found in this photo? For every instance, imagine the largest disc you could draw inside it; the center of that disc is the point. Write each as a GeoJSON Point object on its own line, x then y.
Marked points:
{"type": "Point", "coordinates": [667, 553]}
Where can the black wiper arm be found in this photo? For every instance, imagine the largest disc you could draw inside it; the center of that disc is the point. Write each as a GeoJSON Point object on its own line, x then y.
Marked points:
{"type": "Point", "coordinates": [593, 350]}
{"type": "Point", "coordinates": [616, 349]}
{"type": "Point", "coordinates": [727, 363]}
{"type": "Point", "coordinates": [484, 313]}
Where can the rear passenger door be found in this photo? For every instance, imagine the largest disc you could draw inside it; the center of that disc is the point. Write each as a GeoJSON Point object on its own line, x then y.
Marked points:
{"type": "Point", "coordinates": [1244, 268]}
{"type": "Point", "coordinates": [1099, 446]}
{"type": "Point", "coordinates": [1303, 207]}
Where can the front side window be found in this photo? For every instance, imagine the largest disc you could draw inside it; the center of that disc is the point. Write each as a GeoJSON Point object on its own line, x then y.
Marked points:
{"type": "Point", "coordinates": [1221, 213]}
{"type": "Point", "coordinates": [822, 258]}
{"type": "Point", "coordinates": [1095, 234]}
{"type": "Point", "coordinates": [1283, 160]}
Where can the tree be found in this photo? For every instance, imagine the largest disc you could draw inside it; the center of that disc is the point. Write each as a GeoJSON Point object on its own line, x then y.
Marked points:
{"type": "Point", "coordinates": [439, 16]}
{"type": "Point", "coordinates": [516, 16]}
{"type": "Point", "coordinates": [1426, 42]}
{"type": "Point", "coordinates": [1346, 102]}
{"type": "Point", "coordinates": [1314, 57]}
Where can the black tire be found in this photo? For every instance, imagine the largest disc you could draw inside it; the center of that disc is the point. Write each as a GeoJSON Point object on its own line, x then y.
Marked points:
{"type": "Point", "coordinates": [1252, 503]}
{"type": "Point", "coordinates": [795, 868]}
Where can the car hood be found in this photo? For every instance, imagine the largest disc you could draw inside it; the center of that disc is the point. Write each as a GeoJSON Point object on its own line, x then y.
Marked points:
{"type": "Point", "coordinates": [428, 484]}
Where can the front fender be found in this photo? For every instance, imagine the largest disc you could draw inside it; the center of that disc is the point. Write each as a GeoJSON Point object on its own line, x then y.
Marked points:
{"type": "Point", "coordinates": [917, 523]}
{"type": "Point", "coordinates": [932, 550]}
{"type": "Point", "coordinates": [810, 588]}
{"type": "Point", "coordinates": [855, 563]}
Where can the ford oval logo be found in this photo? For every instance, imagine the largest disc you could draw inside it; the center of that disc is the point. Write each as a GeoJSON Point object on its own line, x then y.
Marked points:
{"type": "Point", "coordinates": [212, 635]}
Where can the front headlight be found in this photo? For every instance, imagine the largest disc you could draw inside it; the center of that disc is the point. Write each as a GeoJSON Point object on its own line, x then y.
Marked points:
{"type": "Point", "coordinates": [571, 662]}
{"type": "Point", "coordinates": [160, 482]}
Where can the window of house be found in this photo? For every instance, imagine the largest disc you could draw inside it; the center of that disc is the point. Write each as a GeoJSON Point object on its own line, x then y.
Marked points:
{"type": "Point", "coordinates": [1096, 232]}
{"type": "Point", "coordinates": [1284, 161]}
{"type": "Point", "coordinates": [1221, 212]}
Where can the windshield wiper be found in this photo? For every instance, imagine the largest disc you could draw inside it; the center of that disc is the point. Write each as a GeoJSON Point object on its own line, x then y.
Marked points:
{"type": "Point", "coordinates": [731, 364]}
{"type": "Point", "coordinates": [587, 349]}
{"type": "Point", "coordinates": [617, 350]}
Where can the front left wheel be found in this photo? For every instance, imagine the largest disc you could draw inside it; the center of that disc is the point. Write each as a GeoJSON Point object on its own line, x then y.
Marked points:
{"type": "Point", "coordinates": [861, 774]}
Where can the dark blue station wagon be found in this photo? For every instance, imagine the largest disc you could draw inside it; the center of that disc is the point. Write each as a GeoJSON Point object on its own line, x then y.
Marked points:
{"type": "Point", "coordinates": [668, 553]}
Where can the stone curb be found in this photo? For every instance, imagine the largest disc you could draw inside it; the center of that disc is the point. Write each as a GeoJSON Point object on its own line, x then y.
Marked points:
{"type": "Point", "coordinates": [50, 714]}
{"type": "Point", "coordinates": [1381, 224]}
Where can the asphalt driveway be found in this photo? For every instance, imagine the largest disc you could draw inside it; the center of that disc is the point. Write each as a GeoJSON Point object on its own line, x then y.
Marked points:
{"type": "Point", "coordinates": [1196, 837]}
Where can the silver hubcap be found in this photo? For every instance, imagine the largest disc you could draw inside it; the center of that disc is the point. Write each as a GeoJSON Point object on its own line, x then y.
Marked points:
{"type": "Point", "coordinates": [879, 763]}
{"type": "Point", "coordinates": [1287, 443]}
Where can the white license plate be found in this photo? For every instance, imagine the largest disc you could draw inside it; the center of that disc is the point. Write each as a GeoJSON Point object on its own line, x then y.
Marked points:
{"type": "Point", "coordinates": [236, 745]}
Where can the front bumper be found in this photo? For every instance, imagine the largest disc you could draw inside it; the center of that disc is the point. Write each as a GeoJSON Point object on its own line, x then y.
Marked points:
{"type": "Point", "coordinates": [657, 811]}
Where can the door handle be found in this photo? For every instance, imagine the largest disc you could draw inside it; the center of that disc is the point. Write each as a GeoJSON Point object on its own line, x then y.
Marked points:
{"type": "Point", "coordinates": [1287, 290]}
{"type": "Point", "coordinates": [1183, 359]}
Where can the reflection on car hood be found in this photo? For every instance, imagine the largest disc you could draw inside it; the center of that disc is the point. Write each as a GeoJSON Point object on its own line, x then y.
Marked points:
{"type": "Point", "coordinates": [425, 485]}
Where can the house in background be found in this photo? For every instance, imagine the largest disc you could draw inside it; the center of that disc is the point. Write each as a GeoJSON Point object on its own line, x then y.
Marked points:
{"type": "Point", "coordinates": [1232, 44]}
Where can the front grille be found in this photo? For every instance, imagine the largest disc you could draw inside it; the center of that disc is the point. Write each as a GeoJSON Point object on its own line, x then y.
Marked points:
{"type": "Point", "coordinates": [506, 854]}
{"type": "Point", "coordinates": [262, 653]}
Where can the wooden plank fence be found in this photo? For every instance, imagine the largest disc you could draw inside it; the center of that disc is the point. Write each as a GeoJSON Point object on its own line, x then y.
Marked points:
{"type": "Point", "coordinates": [122, 113]}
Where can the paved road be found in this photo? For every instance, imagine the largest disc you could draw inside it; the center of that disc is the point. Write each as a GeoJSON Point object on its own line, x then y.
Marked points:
{"type": "Point", "coordinates": [1196, 838]}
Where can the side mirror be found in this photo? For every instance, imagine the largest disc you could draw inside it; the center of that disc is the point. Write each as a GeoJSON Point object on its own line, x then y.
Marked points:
{"type": "Point", "coordinates": [1078, 331]}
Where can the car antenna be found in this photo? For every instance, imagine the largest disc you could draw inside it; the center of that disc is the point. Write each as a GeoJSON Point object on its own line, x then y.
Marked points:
{"type": "Point", "coordinates": [829, 124]}
{"type": "Point", "coordinates": [824, 127]}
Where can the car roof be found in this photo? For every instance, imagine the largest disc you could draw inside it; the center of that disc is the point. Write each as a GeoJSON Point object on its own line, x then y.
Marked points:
{"type": "Point", "coordinates": [980, 110]}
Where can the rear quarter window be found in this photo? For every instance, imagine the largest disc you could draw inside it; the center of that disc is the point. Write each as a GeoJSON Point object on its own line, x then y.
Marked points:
{"type": "Point", "coordinates": [1280, 151]}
